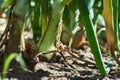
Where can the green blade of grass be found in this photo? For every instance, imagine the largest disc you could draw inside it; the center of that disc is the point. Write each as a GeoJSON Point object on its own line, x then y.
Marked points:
{"type": "Point", "coordinates": [37, 21]}
{"type": "Point", "coordinates": [9, 59]}
{"type": "Point", "coordinates": [45, 14]}
{"type": "Point", "coordinates": [115, 4]}
{"type": "Point", "coordinates": [7, 63]}
{"type": "Point", "coordinates": [92, 38]}
{"type": "Point", "coordinates": [21, 61]}
{"type": "Point", "coordinates": [0, 77]}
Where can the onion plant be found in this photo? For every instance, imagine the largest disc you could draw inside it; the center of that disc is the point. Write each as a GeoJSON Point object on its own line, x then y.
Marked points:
{"type": "Point", "coordinates": [111, 20]}
{"type": "Point", "coordinates": [8, 61]}
{"type": "Point", "coordinates": [48, 38]}
{"type": "Point", "coordinates": [44, 18]}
